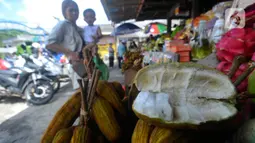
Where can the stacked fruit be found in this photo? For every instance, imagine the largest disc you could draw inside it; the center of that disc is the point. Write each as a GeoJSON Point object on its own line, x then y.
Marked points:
{"type": "Point", "coordinates": [170, 100]}
{"type": "Point", "coordinates": [234, 43]}
{"type": "Point", "coordinates": [132, 60]}
{"type": "Point", "coordinates": [107, 120]}
{"type": "Point", "coordinates": [176, 98]}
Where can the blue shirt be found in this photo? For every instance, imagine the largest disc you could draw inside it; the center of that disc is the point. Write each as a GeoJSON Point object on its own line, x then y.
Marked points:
{"type": "Point", "coordinates": [121, 50]}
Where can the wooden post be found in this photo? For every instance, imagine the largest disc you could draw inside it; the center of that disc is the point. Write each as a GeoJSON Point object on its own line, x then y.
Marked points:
{"type": "Point", "coordinates": [195, 8]}
{"type": "Point", "coordinates": [169, 25]}
{"type": "Point", "coordinates": [84, 105]}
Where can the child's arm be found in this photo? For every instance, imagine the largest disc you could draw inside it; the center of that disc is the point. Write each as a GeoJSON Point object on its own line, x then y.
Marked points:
{"type": "Point", "coordinates": [99, 33]}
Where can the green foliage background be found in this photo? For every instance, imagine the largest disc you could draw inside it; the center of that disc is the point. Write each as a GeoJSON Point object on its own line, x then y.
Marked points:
{"type": "Point", "coordinates": [6, 34]}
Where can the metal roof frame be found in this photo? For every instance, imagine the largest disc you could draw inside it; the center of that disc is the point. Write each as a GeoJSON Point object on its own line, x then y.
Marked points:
{"type": "Point", "coordinates": [121, 10]}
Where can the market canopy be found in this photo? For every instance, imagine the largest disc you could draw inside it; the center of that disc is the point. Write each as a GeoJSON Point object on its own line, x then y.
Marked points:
{"type": "Point", "coordinates": [126, 28]}
{"type": "Point", "coordinates": [157, 9]}
{"type": "Point", "coordinates": [121, 10]}
{"type": "Point", "coordinates": [155, 28]}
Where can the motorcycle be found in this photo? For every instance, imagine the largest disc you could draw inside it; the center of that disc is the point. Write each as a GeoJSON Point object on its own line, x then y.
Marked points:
{"type": "Point", "coordinates": [4, 64]}
{"type": "Point", "coordinates": [35, 87]}
{"type": "Point", "coordinates": [47, 68]}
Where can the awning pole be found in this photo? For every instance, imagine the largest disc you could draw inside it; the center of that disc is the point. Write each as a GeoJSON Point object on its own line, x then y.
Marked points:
{"type": "Point", "coordinates": [195, 8]}
{"type": "Point", "coordinates": [169, 23]}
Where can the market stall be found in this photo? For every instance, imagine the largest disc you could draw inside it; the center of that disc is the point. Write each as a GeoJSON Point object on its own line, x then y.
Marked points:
{"type": "Point", "coordinates": [174, 95]}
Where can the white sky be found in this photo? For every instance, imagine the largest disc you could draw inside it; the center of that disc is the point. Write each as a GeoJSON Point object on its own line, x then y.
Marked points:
{"type": "Point", "coordinates": [42, 11]}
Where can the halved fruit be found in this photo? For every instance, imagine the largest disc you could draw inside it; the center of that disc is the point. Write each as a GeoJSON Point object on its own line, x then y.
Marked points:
{"type": "Point", "coordinates": [178, 94]}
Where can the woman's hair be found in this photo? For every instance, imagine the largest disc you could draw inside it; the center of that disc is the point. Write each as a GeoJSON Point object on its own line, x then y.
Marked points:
{"type": "Point", "coordinates": [65, 5]}
{"type": "Point", "coordinates": [89, 10]}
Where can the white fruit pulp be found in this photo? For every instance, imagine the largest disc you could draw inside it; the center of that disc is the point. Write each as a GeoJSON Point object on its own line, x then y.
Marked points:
{"type": "Point", "coordinates": [182, 107]}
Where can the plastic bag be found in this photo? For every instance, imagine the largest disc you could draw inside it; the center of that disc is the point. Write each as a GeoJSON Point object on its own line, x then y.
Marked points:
{"type": "Point", "coordinates": [218, 31]}
{"type": "Point", "coordinates": [102, 67]}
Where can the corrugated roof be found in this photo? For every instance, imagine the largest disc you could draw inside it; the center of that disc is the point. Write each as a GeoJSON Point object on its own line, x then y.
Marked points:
{"type": "Point", "coordinates": [156, 9]}
{"type": "Point", "coordinates": [121, 10]}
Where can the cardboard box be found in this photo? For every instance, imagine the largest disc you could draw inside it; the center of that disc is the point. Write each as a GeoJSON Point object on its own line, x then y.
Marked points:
{"type": "Point", "coordinates": [184, 59]}
{"type": "Point", "coordinates": [179, 48]}
{"type": "Point", "coordinates": [184, 54]}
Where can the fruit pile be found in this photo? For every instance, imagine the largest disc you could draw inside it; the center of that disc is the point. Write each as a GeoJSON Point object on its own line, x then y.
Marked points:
{"type": "Point", "coordinates": [132, 60]}
{"type": "Point", "coordinates": [183, 97]}
{"type": "Point", "coordinates": [234, 43]}
{"type": "Point", "coordinates": [168, 110]}
{"type": "Point", "coordinates": [107, 120]}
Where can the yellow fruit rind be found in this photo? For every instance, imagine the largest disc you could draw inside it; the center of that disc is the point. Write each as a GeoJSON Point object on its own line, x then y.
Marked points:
{"type": "Point", "coordinates": [118, 87]}
{"type": "Point", "coordinates": [141, 132]}
{"type": "Point", "coordinates": [63, 136]}
{"type": "Point", "coordinates": [104, 116]}
{"type": "Point", "coordinates": [108, 93]}
{"type": "Point", "coordinates": [81, 134]}
{"type": "Point", "coordinates": [161, 135]}
{"type": "Point", "coordinates": [64, 118]}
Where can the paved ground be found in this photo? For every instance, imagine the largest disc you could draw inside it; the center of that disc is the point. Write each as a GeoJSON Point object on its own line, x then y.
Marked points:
{"type": "Point", "coordinates": [20, 123]}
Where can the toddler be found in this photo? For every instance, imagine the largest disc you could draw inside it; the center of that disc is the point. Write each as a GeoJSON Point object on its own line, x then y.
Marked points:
{"type": "Point", "coordinates": [92, 33]}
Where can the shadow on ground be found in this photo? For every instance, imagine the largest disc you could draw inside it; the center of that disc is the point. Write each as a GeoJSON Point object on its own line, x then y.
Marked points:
{"type": "Point", "coordinates": [64, 87]}
{"type": "Point", "coordinates": [11, 99]}
{"type": "Point", "coordinates": [28, 125]}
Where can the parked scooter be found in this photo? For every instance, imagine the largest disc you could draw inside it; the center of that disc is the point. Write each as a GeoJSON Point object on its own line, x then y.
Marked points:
{"type": "Point", "coordinates": [46, 69]}
{"type": "Point", "coordinates": [4, 64]}
{"type": "Point", "coordinates": [35, 87]}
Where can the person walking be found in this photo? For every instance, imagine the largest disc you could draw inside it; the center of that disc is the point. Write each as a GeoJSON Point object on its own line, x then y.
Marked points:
{"type": "Point", "coordinates": [120, 53]}
{"type": "Point", "coordinates": [67, 38]}
{"type": "Point", "coordinates": [111, 56]}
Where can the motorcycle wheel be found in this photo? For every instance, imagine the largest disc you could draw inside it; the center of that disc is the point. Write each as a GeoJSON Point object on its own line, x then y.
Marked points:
{"type": "Point", "coordinates": [39, 94]}
{"type": "Point", "coordinates": [56, 86]}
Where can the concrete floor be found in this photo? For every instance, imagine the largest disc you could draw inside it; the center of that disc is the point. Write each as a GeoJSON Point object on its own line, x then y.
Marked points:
{"type": "Point", "coordinates": [20, 123]}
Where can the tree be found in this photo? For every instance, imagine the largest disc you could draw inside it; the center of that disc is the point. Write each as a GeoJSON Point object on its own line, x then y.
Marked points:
{"type": "Point", "coordinates": [6, 34]}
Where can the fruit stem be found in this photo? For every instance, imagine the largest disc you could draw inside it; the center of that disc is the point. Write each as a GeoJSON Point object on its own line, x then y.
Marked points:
{"type": "Point", "coordinates": [83, 87]}
{"type": "Point", "coordinates": [244, 75]}
{"type": "Point", "coordinates": [235, 65]}
{"type": "Point", "coordinates": [245, 95]}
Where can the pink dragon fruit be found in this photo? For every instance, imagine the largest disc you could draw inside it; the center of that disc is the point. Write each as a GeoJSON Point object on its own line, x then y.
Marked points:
{"type": "Point", "coordinates": [250, 15]}
{"type": "Point", "coordinates": [234, 43]}
{"type": "Point", "coordinates": [225, 56]}
{"type": "Point", "coordinates": [225, 66]}
{"type": "Point", "coordinates": [238, 41]}
{"type": "Point", "coordinates": [243, 67]}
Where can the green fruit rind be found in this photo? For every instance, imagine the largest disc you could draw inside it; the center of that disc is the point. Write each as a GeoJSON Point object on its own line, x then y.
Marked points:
{"type": "Point", "coordinates": [158, 78]}
{"type": "Point", "coordinates": [183, 95]}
